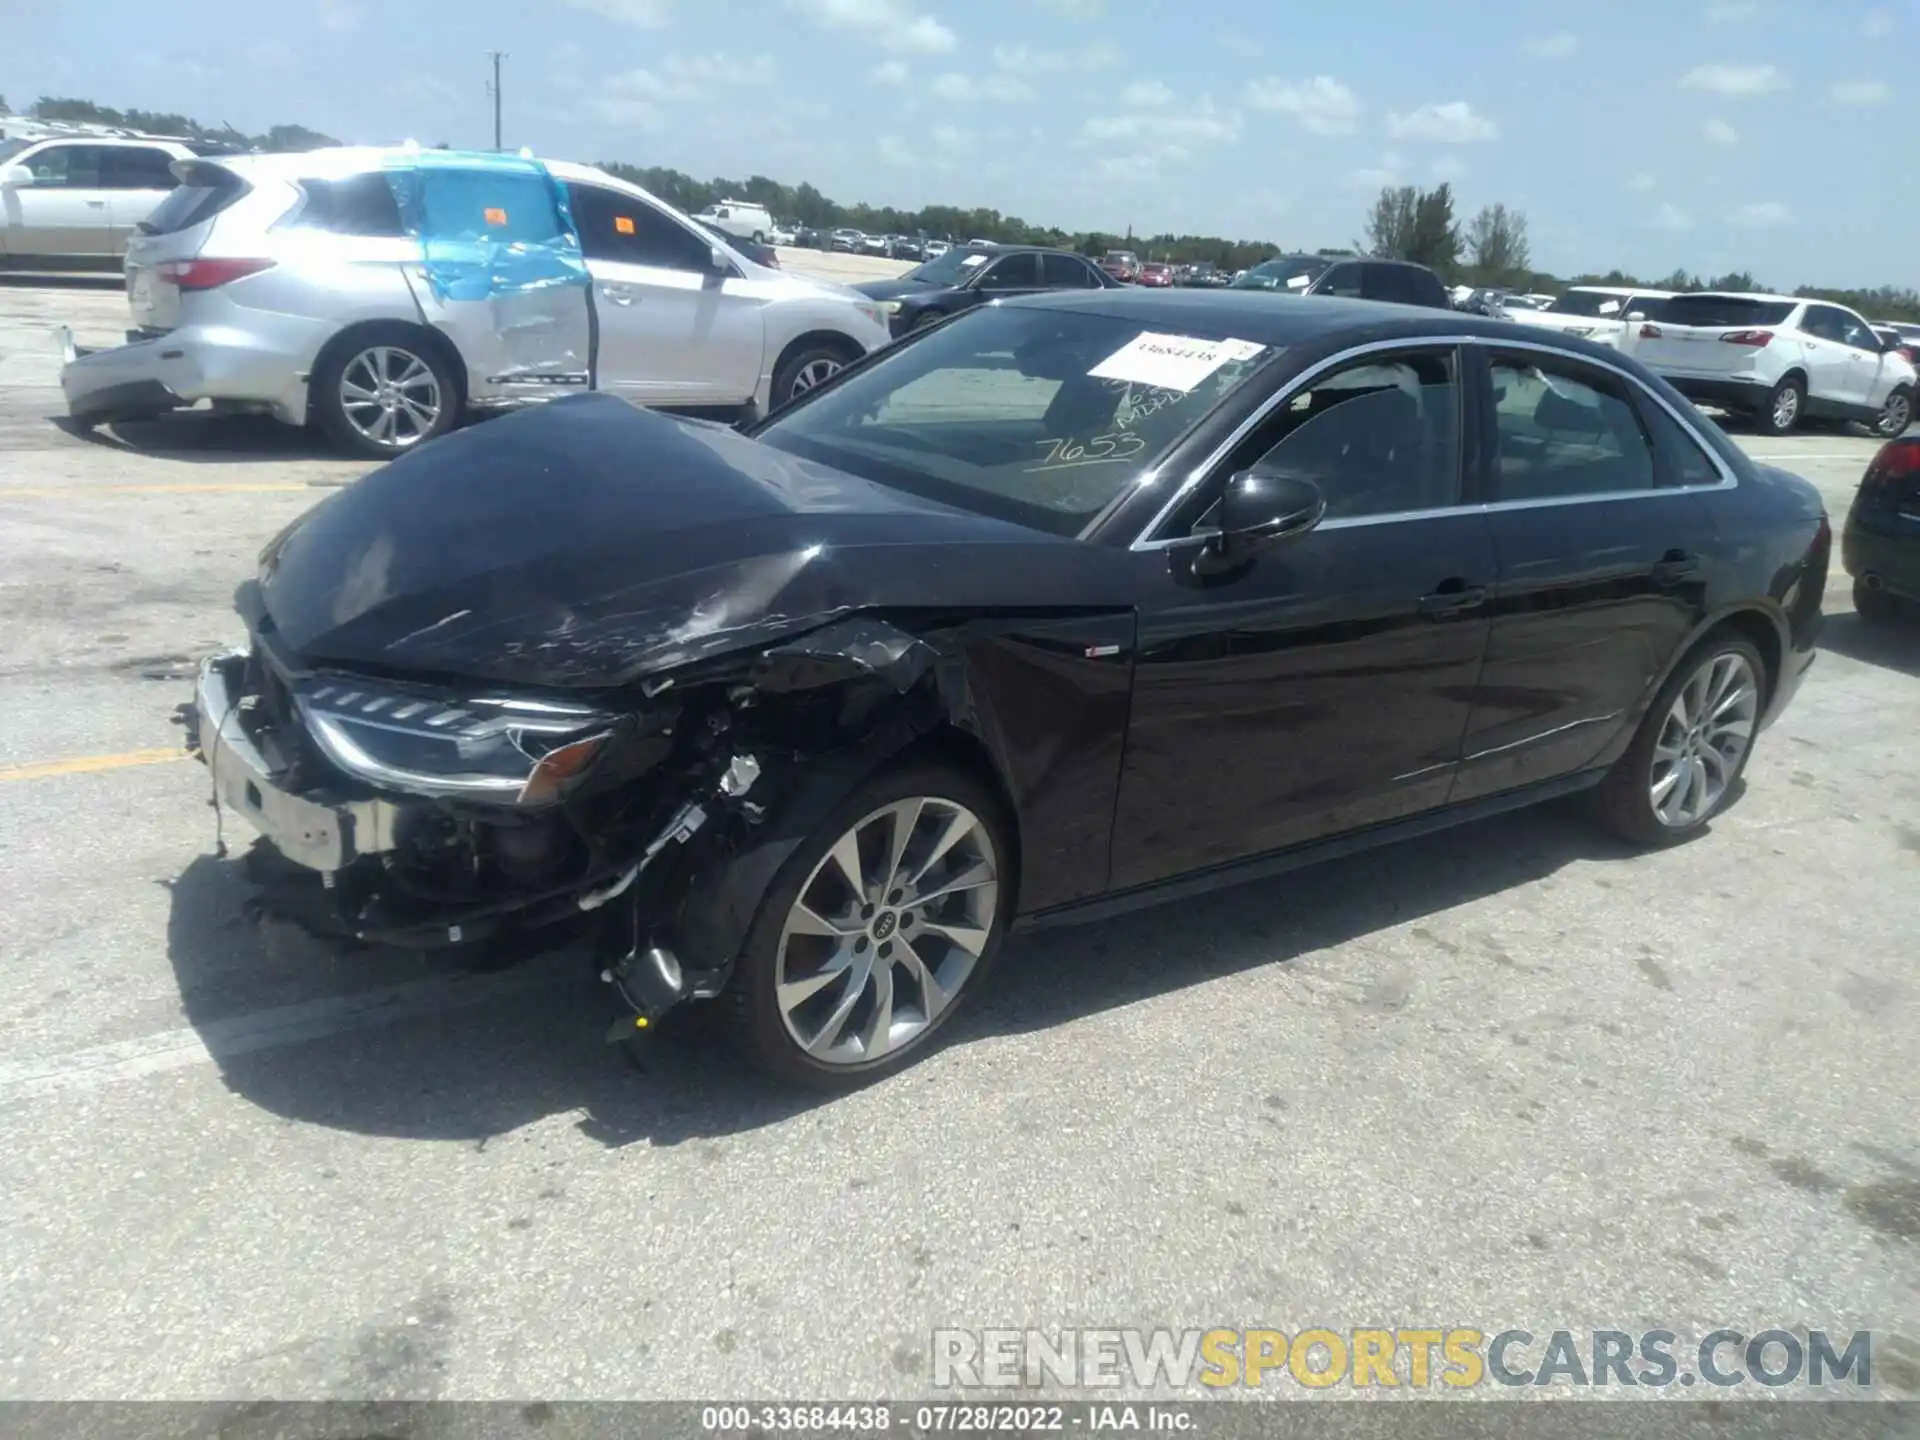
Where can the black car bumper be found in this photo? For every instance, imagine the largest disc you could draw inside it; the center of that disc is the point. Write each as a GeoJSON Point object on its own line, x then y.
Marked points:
{"type": "Point", "coordinates": [1726, 394]}
{"type": "Point", "coordinates": [1883, 549]}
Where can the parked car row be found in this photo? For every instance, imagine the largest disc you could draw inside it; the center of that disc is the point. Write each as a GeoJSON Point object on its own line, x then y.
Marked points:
{"type": "Point", "coordinates": [382, 293]}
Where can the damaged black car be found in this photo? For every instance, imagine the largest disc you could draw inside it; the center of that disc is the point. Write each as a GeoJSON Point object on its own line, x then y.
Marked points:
{"type": "Point", "coordinates": [1077, 603]}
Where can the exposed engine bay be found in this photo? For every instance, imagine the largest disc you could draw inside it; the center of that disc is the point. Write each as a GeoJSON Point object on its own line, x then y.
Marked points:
{"type": "Point", "coordinates": [407, 815]}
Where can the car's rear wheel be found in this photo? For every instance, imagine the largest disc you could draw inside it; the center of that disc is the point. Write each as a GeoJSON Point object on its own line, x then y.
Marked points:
{"type": "Point", "coordinates": [1895, 415]}
{"type": "Point", "coordinates": [384, 392]}
{"type": "Point", "coordinates": [1783, 407]}
{"type": "Point", "coordinates": [876, 929]}
{"type": "Point", "coordinates": [1687, 757]}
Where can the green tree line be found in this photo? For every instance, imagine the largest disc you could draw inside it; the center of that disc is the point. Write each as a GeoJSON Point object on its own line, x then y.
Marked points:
{"type": "Point", "coordinates": [157, 122]}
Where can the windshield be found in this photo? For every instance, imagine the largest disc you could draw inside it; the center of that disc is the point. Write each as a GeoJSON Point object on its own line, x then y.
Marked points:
{"type": "Point", "coordinates": [1041, 417]}
{"type": "Point", "coordinates": [1292, 272]}
{"type": "Point", "coordinates": [951, 268]}
{"type": "Point", "coordinates": [1592, 304]}
{"type": "Point", "coordinates": [1724, 310]}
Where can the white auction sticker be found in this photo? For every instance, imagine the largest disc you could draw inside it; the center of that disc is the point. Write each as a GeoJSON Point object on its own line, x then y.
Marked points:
{"type": "Point", "coordinates": [1299, 282]}
{"type": "Point", "coordinates": [1171, 362]}
{"type": "Point", "coordinates": [974, 260]}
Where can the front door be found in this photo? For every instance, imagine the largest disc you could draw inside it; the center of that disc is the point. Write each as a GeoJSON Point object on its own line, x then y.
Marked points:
{"type": "Point", "coordinates": [1603, 568]}
{"type": "Point", "coordinates": [64, 213]}
{"type": "Point", "coordinates": [673, 329]}
{"type": "Point", "coordinates": [1326, 687]}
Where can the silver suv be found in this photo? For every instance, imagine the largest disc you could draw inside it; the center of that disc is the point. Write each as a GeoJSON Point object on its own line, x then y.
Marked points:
{"type": "Point", "coordinates": [380, 293]}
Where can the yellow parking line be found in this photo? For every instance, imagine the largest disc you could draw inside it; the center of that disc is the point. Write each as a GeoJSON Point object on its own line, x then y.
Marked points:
{"type": "Point", "coordinates": [88, 764]}
{"type": "Point", "coordinates": [65, 492]}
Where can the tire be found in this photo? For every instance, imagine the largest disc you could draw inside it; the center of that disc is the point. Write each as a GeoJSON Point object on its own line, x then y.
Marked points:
{"type": "Point", "coordinates": [926, 318]}
{"type": "Point", "coordinates": [1875, 607]}
{"type": "Point", "coordinates": [808, 366]}
{"type": "Point", "coordinates": [1625, 801]}
{"type": "Point", "coordinates": [1896, 415]}
{"type": "Point", "coordinates": [759, 237]}
{"type": "Point", "coordinates": [839, 931]}
{"type": "Point", "coordinates": [1786, 404]}
{"type": "Point", "coordinates": [424, 385]}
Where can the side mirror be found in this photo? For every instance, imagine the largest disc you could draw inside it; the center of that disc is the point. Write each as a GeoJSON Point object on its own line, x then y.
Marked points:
{"type": "Point", "coordinates": [15, 177]}
{"type": "Point", "coordinates": [719, 261]}
{"type": "Point", "coordinates": [1256, 511]}
{"type": "Point", "coordinates": [1634, 317]}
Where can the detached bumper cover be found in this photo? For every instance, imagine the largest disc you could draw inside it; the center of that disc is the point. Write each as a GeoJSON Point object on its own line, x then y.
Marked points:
{"type": "Point", "coordinates": [322, 835]}
{"type": "Point", "coordinates": [264, 365]}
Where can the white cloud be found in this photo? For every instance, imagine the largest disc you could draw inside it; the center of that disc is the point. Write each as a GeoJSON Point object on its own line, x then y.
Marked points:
{"type": "Point", "coordinates": [973, 89]}
{"type": "Point", "coordinates": [890, 72]}
{"type": "Point", "coordinates": [340, 16]}
{"type": "Point", "coordinates": [1763, 215]}
{"type": "Point", "coordinates": [1724, 79]}
{"type": "Point", "coordinates": [1019, 60]}
{"type": "Point", "coordinates": [1146, 95]}
{"type": "Point", "coordinates": [950, 137]}
{"type": "Point", "coordinates": [1720, 132]}
{"type": "Point", "coordinates": [641, 14]}
{"type": "Point", "coordinates": [1671, 217]}
{"type": "Point", "coordinates": [1876, 24]}
{"type": "Point", "coordinates": [1449, 168]}
{"type": "Point", "coordinates": [1321, 105]}
{"type": "Point", "coordinates": [635, 97]}
{"type": "Point", "coordinates": [1453, 123]}
{"type": "Point", "coordinates": [1557, 46]}
{"type": "Point", "coordinates": [1640, 184]}
{"type": "Point", "coordinates": [895, 151]}
{"type": "Point", "coordinates": [1726, 12]}
{"type": "Point", "coordinates": [1157, 136]}
{"type": "Point", "coordinates": [893, 25]}
{"type": "Point", "coordinates": [1392, 170]}
{"type": "Point", "coordinates": [1861, 92]}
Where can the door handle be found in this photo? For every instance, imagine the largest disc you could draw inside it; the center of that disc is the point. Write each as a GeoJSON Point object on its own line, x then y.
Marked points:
{"type": "Point", "coordinates": [1452, 597]}
{"type": "Point", "coordinates": [1675, 566]}
{"type": "Point", "coordinates": [619, 294]}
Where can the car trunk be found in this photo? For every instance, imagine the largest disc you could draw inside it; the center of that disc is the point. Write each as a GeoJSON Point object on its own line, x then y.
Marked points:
{"type": "Point", "coordinates": [1709, 334]}
{"type": "Point", "coordinates": [175, 231]}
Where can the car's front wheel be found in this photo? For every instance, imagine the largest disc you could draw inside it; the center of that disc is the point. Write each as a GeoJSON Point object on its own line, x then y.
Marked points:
{"type": "Point", "coordinates": [1895, 415]}
{"type": "Point", "coordinates": [876, 929]}
{"type": "Point", "coordinates": [807, 368]}
{"type": "Point", "coordinates": [383, 392]}
{"type": "Point", "coordinates": [1687, 757]}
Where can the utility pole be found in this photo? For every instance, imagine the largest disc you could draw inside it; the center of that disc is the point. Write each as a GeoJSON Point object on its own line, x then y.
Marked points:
{"type": "Point", "coordinates": [494, 90]}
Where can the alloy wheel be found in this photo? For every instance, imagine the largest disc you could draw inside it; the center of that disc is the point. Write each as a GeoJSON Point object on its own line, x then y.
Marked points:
{"type": "Point", "coordinates": [390, 395]}
{"type": "Point", "coordinates": [814, 373]}
{"type": "Point", "coordinates": [1703, 739]}
{"type": "Point", "coordinates": [886, 931]}
{"type": "Point", "coordinates": [1786, 408]}
{"type": "Point", "coordinates": [1897, 415]}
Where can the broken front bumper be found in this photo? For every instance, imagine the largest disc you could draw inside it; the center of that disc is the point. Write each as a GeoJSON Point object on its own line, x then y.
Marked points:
{"type": "Point", "coordinates": [322, 834]}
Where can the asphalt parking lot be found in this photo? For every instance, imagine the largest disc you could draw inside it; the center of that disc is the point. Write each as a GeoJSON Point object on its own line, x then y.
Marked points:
{"type": "Point", "coordinates": [1509, 1076]}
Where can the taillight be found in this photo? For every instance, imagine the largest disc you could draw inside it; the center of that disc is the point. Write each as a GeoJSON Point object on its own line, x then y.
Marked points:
{"type": "Point", "coordinates": [1649, 332]}
{"type": "Point", "coordinates": [1758, 339]}
{"type": "Point", "coordinates": [1893, 479]}
{"type": "Point", "coordinates": [208, 274]}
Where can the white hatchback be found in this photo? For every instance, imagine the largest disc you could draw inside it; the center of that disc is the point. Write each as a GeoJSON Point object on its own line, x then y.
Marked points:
{"type": "Point", "coordinates": [1779, 359]}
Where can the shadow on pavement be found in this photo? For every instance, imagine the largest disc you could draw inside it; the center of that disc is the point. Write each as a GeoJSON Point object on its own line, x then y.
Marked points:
{"type": "Point", "coordinates": [207, 438]}
{"type": "Point", "coordinates": [62, 279]}
{"type": "Point", "coordinates": [1892, 645]}
{"type": "Point", "coordinates": [483, 1069]}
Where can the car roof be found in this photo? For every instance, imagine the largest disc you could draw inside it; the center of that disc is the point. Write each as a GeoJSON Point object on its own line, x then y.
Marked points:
{"type": "Point", "coordinates": [1290, 321]}
{"type": "Point", "coordinates": [1757, 295]}
{"type": "Point", "coordinates": [1621, 290]}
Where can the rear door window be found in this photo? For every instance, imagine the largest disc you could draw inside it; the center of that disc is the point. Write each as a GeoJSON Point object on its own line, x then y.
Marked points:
{"type": "Point", "coordinates": [1065, 272]}
{"type": "Point", "coordinates": [1347, 280]}
{"type": "Point", "coordinates": [1013, 272]}
{"type": "Point", "coordinates": [1679, 460]}
{"type": "Point", "coordinates": [138, 167]}
{"type": "Point", "coordinates": [1824, 323]}
{"type": "Point", "coordinates": [1566, 430]}
{"type": "Point", "coordinates": [69, 167]}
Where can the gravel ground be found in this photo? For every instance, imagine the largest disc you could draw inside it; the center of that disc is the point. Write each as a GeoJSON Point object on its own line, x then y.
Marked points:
{"type": "Point", "coordinates": [1504, 1077]}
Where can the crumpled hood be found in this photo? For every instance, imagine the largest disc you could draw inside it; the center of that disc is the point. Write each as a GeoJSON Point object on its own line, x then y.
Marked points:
{"type": "Point", "coordinates": [588, 543]}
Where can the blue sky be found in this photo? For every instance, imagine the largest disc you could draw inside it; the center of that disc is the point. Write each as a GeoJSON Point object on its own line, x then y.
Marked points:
{"type": "Point", "coordinates": [1715, 134]}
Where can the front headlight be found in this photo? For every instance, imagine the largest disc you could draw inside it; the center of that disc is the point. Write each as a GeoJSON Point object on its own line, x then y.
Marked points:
{"type": "Point", "coordinates": [497, 749]}
{"type": "Point", "coordinates": [878, 311]}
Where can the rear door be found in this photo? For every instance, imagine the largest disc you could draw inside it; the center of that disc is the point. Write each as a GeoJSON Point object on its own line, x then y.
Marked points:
{"type": "Point", "coordinates": [1831, 375]}
{"type": "Point", "coordinates": [138, 178]}
{"type": "Point", "coordinates": [500, 272]}
{"type": "Point", "coordinates": [1870, 372]}
{"type": "Point", "coordinates": [64, 214]}
{"type": "Point", "coordinates": [673, 330]}
{"type": "Point", "coordinates": [1602, 569]}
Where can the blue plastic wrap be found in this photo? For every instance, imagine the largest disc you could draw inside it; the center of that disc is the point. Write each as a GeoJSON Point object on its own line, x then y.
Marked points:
{"type": "Point", "coordinates": [488, 225]}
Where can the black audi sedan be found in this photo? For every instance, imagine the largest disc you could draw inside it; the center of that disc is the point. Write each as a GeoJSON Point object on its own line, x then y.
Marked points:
{"type": "Point", "coordinates": [974, 274]}
{"type": "Point", "coordinates": [1077, 603]}
{"type": "Point", "coordinates": [1880, 543]}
